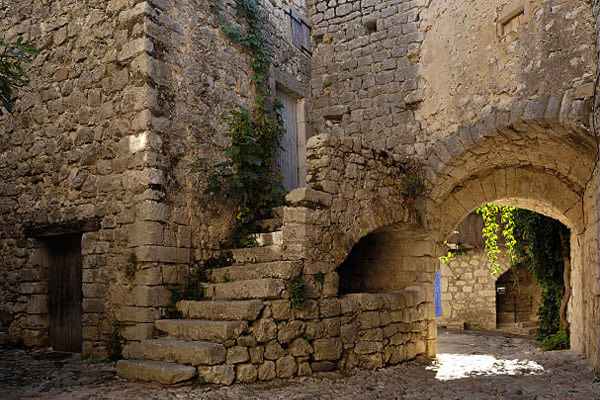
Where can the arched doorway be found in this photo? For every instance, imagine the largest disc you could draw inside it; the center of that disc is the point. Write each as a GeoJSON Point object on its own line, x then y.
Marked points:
{"type": "Point", "coordinates": [542, 165]}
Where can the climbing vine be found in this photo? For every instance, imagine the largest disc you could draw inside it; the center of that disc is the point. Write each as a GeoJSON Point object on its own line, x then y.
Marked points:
{"type": "Point", "coordinates": [540, 243]}
{"type": "Point", "coordinates": [12, 75]}
{"type": "Point", "coordinates": [248, 174]}
{"type": "Point", "coordinates": [491, 213]}
{"type": "Point", "coordinates": [542, 247]}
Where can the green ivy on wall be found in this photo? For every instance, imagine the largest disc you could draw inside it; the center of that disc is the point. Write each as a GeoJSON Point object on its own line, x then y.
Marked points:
{"type": "Point", "coordinates": [12, 75]}
{"type": "Point", "coordinates": [248, 173]}
{"type": "Point", "coordinates": [539, 243]}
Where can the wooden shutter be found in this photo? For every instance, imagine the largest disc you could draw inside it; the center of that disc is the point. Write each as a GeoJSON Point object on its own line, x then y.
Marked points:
{"type": "Point", "coordinates": [287, 150]}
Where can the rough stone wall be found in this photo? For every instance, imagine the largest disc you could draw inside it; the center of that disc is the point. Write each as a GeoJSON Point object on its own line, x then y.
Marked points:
{"type": "Point", "coordinates": [387, 260]}
{"type": "Point", "coordinates": [470, 67]}
{"type": "Point", "coordinates": [585, 335]}
{"type": "Point", "coordinates": [366, 68]}
{"type": "Point", "coordinates": [201, 76]}
{"type": "Point", "coordinates": [353, 191]}
{"type": "Point", "coordinates": [75, 149]}
{"type": "Point", "coordinates": [468, 290]}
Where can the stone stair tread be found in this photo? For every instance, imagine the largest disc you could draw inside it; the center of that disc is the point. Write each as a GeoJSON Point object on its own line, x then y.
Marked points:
{"type": "Point", "coordinates": [266, 289]}
{"type": "Point", "coordinates": [270, 224]}
{"type": "Point", "coordinates": [176, 351]}
{"type": "Point", "coordinates": [277, 269]}
{"type": "Point", "coordinates": [155, 371]}
{"type": "Point", "coordinates": [234, 310]}
{"type": "Point", "coordinates": [201, 330]}
{"type": "Point", "coordinates": [259, 254]}
{"type": "Point", "coordinates": [268, 238]}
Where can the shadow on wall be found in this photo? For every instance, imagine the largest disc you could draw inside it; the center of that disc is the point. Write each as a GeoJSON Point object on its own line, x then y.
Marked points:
{"type": "Point", "coordinates": [388, 260]}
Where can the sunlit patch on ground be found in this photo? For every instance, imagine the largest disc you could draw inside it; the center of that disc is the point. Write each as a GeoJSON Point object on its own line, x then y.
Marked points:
{"type": "Point", "coordinates": [457, 366]}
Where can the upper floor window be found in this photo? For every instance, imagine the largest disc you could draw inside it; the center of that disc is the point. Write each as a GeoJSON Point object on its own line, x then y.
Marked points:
{"type": "Point", "coordinates": [300, 32]}
{"type": "Point", "coordinates": [513, 23]}
{"type": "Point", "coordinates": [512, 19]}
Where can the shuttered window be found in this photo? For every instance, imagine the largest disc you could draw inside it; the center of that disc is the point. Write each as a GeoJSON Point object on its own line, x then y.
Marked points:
{"type": "Point", "coordinates": [300, 32]}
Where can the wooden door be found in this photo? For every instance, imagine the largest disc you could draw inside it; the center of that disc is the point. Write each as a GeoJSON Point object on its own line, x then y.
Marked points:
{"type": "Point", "coordinates": [287, 151]}
{"type": "Point", "coordinates": [65, 292]}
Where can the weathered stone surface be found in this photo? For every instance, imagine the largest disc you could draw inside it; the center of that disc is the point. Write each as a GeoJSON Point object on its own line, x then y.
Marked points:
{"type": "Point", "coordinates": [265, 254]}
{"type": "Point", "coordinates": [281, 309]}
{"type": "Point", "coordinates": [218, 374]}
{"type": "Point", "coordinates": [278, 270]}
{"type": "Point", "coordinates": [264, 330]}
{"type": "Point", "coordinates": [322, 366]}
{"type": "Point", "coordinates": [237, 354]}
{"type": "Point", "coordinates": [176, 351]}
{"type": "Point", "coordinates": [244, 290]}
{"type": "Point", "coordinates": [300, 348]}
{"type": "Point", "coordinates": [266, 371]}
{"type": "Point", "coordinates": [327, 349]}
{"type": "Point", "coordinates": [221, 310]}
{"type": "Point", "coordinates": [289, 331]}
{"type": "Point", "coordinates": [196, 329]}
{"type": "Point", "coordinates": [273, 350]}
{"type": "Point", "coordinates": [154, 371]}
{"type": "Point", "coordinates": [246, 373]}
{"type": "Point", "coordinates": [306, 196]}
{"type": "Point", "coordinates": [286, 367]}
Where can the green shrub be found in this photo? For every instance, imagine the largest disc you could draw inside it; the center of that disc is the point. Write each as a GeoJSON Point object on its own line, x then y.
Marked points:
{"type": "Point", "coordinates": [297, 289]}
{"type": "Point", "coordinates": [557, 341]}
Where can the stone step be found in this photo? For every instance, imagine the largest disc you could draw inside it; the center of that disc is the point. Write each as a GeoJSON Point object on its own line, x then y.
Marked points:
{"type": "Point", "coordinates": [263, 289]}
{"type": "Point", "coordinates": [268, 238]}
{"type": "Point", "coordinates": [278, 270]}
{"type": "Point", "coordinates": [176, 351]}
{"type": "Point", "coordinates": [271, 224]}
{"type": "Point", "coordinates": [201, 330]}
{"type": "Point", "coordinates": [257, 254]}
{"type": "Point", "coordinates": [155, 371]}
{"type": "Point", "coordinates": [247, 310]}
{"type": "Point", "coordinates": [277, 212]}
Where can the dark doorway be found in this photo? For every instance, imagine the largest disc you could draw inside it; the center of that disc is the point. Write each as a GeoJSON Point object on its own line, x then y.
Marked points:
{"type": "Point", "coordinates": [517, 304]}
{"type": "Point", "coordinates": [65, 292]}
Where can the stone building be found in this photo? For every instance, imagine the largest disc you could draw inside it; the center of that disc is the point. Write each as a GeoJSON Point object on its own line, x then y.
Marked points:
{"type": "Point", "coordinates": [494, 98]}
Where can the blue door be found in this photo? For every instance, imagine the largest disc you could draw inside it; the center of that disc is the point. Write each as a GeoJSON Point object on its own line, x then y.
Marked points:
{"type": "Point", "coordinates": [437, 294]}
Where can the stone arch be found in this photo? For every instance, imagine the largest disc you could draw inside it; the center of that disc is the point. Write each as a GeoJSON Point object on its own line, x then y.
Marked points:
{"type": "Point", "coordinates": [540, 156]}
{"type": "Point", "coordinates": [524, 187]}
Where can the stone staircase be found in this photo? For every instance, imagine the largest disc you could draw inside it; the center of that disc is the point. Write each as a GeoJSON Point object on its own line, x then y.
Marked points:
{"type": "Point", "coordinates": [213, 339]}
{"type": "Point", "coordinates": [529, 328]}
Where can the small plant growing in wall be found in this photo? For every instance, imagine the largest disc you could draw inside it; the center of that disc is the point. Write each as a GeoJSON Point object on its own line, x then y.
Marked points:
{"type": "Point", "coordinates": [12, 75]}
{"type": "Point", "coordinates": [114, 344]}
{"type": "Point", "coordinates": [298, 293]}
{"type": "Point", "coordinates": [193, 288]}
{"type": "Point", "coordinates": [248, 174]}
{"type": "Point", "coordinates": [319, 277]}
{"type": "Point", "coordinates": [413, 181]}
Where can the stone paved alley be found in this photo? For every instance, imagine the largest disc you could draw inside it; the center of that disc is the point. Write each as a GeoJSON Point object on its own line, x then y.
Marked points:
{"type": "Point", "coordinates": [470, 365]}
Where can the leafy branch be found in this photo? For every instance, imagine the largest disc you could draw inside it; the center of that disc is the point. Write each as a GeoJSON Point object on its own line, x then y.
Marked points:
{"type": "Point", "coordinates": [248, 174]}
{"type": "Point", "coordinates": [491, 213]}
{"type": "Point", "coordinates": [12, 75]}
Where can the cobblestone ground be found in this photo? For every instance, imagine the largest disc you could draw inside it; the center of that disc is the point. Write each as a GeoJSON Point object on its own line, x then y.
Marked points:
{"type": "Point", "coordinates": [470, 365]}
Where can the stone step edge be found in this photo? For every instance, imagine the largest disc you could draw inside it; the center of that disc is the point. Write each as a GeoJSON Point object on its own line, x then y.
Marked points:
{"type": "Point", "coordinates": [247, 310]}
{"type": "Point", "coordinates": [285, 270]}
{"type": "Point", "coordinates": [182, 352]}
{"type": "Point", "coordinates": [155, 371]}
